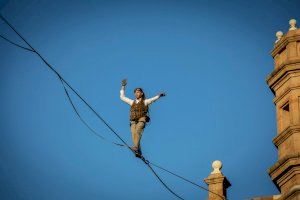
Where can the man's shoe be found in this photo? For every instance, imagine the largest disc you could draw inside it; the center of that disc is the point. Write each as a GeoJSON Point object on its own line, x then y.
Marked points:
{"type": "Point", "coordinates": [137, 151]}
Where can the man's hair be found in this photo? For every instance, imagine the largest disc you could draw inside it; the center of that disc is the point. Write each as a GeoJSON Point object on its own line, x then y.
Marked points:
{"type": "Point", "coordinates": [141, 90]}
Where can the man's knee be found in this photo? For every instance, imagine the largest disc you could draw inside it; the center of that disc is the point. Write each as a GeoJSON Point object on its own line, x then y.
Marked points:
{"type": "Point", "coordinates": [141, 125]}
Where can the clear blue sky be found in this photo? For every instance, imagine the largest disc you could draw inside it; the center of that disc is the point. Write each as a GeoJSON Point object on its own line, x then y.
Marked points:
{"type": "Point", "coordinates": [210, 57]}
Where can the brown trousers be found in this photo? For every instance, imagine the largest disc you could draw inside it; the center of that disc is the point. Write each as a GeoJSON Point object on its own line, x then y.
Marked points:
{"type": "Point", "coordinates": [137, 129]}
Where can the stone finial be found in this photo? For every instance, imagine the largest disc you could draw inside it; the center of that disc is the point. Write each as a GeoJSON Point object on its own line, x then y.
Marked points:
{"type": "Point", "coordinates": [216, 165]}
{"type": "Point", "coordinates": [279, 35]}
{"type": "Point", "coordinates": [217, 183]}
{"type": "Point", "coordinates": [292, 23]}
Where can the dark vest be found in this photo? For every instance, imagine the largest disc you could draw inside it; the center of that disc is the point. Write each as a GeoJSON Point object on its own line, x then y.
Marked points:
{"type": "Point", "coordinates": [138, 110]}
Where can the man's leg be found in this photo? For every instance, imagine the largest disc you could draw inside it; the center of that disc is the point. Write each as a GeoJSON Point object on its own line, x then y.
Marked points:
{"type": "Point", "coordinates": [134, 135]}
{"type": "Point", "coordinates": [139, 131]}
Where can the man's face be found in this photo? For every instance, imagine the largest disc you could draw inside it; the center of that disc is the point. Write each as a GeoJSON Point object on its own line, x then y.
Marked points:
{"type": "Point", "coordinates": [138, 94]}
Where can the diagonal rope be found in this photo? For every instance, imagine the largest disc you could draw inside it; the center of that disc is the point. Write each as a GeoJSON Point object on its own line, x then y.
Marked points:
{"type": "Point", "coordinates": [162, 182]}
{"type": "Point", "coordinates": [185, 179]}
{"type": "Point", "coordinates": [13, 43]}
{"type": "Point", "coordinates": [66, 92]}
{"type": "Point", "coordinates": [81, 119]}
{"type": "Point", "coordinates": [59, 76]}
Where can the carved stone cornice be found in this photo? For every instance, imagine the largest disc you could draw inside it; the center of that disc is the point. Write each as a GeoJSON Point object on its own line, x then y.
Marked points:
{"type": "Point", "coordinates": [279, 97]}
{"type": "Point", "coordinates": [293, 193]}
{"type": "Point", "coordinates": [285, 134]}
{"type": "Point", "coordinates": [283, 161]}
{"type": "Point", "coordinates": [282, 72]}
{"type": "Point", "coordinates": [284, 169]}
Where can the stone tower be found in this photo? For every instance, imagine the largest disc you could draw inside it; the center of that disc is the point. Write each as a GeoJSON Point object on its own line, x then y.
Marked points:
{"type": "Point", "coordinates": [284, 82]}
{"type": "Point", "coordinates": [217, 183]}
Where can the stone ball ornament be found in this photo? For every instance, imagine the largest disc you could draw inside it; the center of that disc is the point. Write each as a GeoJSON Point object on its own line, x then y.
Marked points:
{"type": "Point", "coordinates": [279, 35]}
{"type": "Point", "coordinates": [292, 23]}
{"type": "Point", "coordinates": [217, 166]}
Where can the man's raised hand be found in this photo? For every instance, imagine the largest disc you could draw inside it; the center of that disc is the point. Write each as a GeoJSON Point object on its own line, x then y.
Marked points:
{"type": "Point", "coordinates": [162, 94]}
{"type": "Point", "coordinates": [124, 82]}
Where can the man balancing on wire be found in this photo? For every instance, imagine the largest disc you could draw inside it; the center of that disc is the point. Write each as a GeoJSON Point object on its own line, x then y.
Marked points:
{"type": "Point", "coordinates": [138, 114]}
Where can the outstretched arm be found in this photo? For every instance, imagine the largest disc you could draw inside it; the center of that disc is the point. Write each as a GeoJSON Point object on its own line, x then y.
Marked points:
{"type": "Point", "coordinates": [122, 93]}
{"type": "Point", "coordinates": [153, 99]}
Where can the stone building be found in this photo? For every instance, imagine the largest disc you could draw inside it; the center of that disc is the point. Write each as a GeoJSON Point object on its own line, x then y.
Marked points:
{"type": "Point", "coordinates": [284, 82]}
